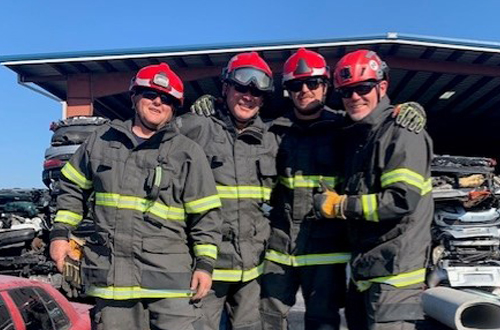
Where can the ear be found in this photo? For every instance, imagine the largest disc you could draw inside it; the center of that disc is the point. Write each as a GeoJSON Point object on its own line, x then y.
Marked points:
{"type": "Point", "coordinates": [383, 86]}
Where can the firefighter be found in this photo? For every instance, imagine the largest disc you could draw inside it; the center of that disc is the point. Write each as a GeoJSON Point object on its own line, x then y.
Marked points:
{"type": "Point", "coordinates": [155, 211]}
{"type": "Point", "coordinates": [305, 251]}
{"type": "Point", "coordinates": [386, 200]}
{"type": "Point", "coordinates": [242, 154]}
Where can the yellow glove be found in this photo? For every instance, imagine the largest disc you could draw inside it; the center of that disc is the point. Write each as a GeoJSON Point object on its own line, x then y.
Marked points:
{"type": "Point", "coordinates": [329, 204]}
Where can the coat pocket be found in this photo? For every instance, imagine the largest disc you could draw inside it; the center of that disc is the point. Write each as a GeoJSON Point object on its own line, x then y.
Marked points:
{"type": "Point", "coordinates": [96, 263]}
{"type": "Point", "coordinates": [165, 263]}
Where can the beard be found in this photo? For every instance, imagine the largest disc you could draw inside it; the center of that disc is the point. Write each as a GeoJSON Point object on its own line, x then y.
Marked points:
{"type": "Point", "coordinates": [310, 109]}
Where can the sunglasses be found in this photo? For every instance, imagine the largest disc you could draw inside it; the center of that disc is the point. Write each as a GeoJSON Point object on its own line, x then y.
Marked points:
{"type": "Point", "coordinates": [296, 85]}
{"type": "Point", "coordinates": [245, 89]}
{"type": "Point", "coordinates": [361, 89]}
{"type": "Point", "coordinates": [152, 95]}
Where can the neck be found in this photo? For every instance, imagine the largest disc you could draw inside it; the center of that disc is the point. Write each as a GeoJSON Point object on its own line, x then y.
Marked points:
{"type": "Point", "coordinates": [141, 130]}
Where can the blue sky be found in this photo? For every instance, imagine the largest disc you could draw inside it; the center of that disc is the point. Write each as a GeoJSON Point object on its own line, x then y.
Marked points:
{"type": "Point", "coordinates": [34, 27]}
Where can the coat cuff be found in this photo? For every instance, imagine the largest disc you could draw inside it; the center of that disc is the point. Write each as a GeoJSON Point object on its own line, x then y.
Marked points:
{"type": "Point", "coordinates": [352, 208]}
{"type": "Point", "coordinates": [205, 264]}
{"type": "Point", "coordinates": [59, 233]}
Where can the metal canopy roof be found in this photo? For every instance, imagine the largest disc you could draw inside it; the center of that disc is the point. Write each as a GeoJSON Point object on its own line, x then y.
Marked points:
{"type": "Point", "coordinates": [422, 70]}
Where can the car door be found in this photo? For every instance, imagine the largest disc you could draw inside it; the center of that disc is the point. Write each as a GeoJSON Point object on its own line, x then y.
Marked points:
{"type": "Point", "coordinates": [6, 319]}
{"type": "Point", "coordinates": [38, 309]}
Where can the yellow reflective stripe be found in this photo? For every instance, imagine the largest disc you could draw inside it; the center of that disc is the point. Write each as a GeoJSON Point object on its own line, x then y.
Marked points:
{"type": "Point", "coordinates": [237, 275]}
{"type": "Point", "coordinates": [407, 176]}
{"type": "Point", "coordinates": [402, 174]}
{"type": "Point", "coordinates": [308, 259]}
{"type": "Point", "coordinates": [398, 281]}
{"type": "Point", "coordinates": [140, 204]}
{"type": "Point", "coordinates": [167, 212]}
{"type": "Point", "coordinates": [403, 279]}
{"type": "Point", "coordinates": [76, 177]}
{"type": "Point", "coordinates": [134, 292]}
{"type": "Point", "coordinates": [370, 207]}
{"type": "Point", "coordinates": [427, 188]}
{"type": "Point", "coordinates": [203, 204]}
{"type": "Point", "coordinates": [235, 192]}
{"type": "Point", "coordinates": [68, 217]}
{"type": "Point", "coordinates": [307, 181]}
{"type": "Point", "coordinates": [207, 250]}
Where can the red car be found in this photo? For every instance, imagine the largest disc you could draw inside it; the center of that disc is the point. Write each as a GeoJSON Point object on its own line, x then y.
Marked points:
{"type": "Point", "coordinates": [32, 305]}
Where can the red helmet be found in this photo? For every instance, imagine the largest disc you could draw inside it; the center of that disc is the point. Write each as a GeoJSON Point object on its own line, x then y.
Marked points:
{"type": "Point", "coordinates": [247, 68]}
{"type": "Point", "coordinates": [160, 78]}
{"type": "Point", "coordinates": [305, 63]}
{"type": "Point", "coordinates": [358, 66]}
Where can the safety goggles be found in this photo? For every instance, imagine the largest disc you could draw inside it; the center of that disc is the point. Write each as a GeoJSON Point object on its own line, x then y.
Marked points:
{"type": "Point", "coordinates": [247, 76]}
{"type": "Point", "coordinates": [296, 85]}
{"type": "Point", "coordinates": [360, 89]}
{"type": "Point", "coordinates": [245, 89]}
{"type": "Point", "coordinates": [151, 95]}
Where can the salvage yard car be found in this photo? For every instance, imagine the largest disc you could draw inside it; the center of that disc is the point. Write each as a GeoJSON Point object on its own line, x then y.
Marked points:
{"type": "Point", "coordinates": [33, 305]}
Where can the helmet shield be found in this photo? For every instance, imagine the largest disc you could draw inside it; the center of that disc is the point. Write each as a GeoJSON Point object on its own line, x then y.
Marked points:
{"type": "Point", "coordinates": [247, 76]}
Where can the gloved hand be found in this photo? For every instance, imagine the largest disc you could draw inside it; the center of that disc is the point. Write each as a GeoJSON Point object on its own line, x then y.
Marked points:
{"type": "Point", "coordinates": [204, 105]}
{"type": "Point", "coordinates": [71, 272]}
{"type": "Point", "coordinates": [329, 204]}
{"type": "Point", "coordinates": [410, 115]}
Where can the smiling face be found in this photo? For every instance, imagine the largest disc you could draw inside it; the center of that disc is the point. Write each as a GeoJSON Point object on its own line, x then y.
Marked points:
{"type": "Point", "coordinates": [242, 106]}
{"type": "Point", "coordinates": [360, 106]}
{"type": "Point", "coordinates": [308, 101]}
{"type": "Point", "coordinates": [151, 111]}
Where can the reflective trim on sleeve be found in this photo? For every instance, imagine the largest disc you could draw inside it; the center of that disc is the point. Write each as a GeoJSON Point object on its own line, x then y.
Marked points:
{"type": "Point", "coordinates": [427, 188]}
{"type": "Point", "coordinates": [308, 259]}
{"type": "Point", "coordinates": [237, 275]}
{"type": "Point", "coordinates": [370, 207]}
{"type": "Point", "coordinates": [237, 192]}
{"type": "Point", "coordinates": [205, 250]}
{"type": "Point", "coordinates": [76, 177]}
{"type": "Point", "coordinates": [140, 204]}
{"type": "Point", "coordinates": [203, 204]}
{"type": "Point", "coordinates": [134, 292]}
{"type": "Point", "coordinates": [307, 181]}
{"type": "Point", "coordinates": [407, 176]}
{"type": "Point", "coordinates": [68, 217]}
{"type": "Point", "coordinates": [398, 281]}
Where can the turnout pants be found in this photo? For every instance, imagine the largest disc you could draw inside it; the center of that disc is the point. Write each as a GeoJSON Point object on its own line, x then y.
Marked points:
{"type": "Point", "coordinates": [239, 299]}
{"type": "Point", "coordinates": [167, 313]}
{"type": "Point", "coordinates": [323, 288]}
{"type": "Point", "coordinates": [384, 307]}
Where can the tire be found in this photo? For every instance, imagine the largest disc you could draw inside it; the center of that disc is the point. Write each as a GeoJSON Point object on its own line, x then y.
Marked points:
{"type": "Point", "coordinates": [78, 121]}
{"type": "Point", "coordinates": [72, 135]}
{"type": "Point", "coordinates": [59, 151]}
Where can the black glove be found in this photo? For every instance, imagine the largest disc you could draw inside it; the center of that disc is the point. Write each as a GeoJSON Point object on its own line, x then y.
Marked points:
{"type": "Point", "coordinates": [411, 116]}
{"type": "Point", "coordinates": [72, 279]}
{"type": "Point", "coordinates": [204, 106]}
{"type": "Point", "coordinates": [71, 272]}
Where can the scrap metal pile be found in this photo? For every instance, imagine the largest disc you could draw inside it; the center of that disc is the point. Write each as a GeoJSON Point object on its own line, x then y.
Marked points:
{"type": "Point", "coordinates": [24, 227]}
{"type": "Point", "coordinates": [27, 215]}
{"type": "Point", "coordinates": [464, 274]}
{"type": "Point", "coordinates": [466, 223]}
